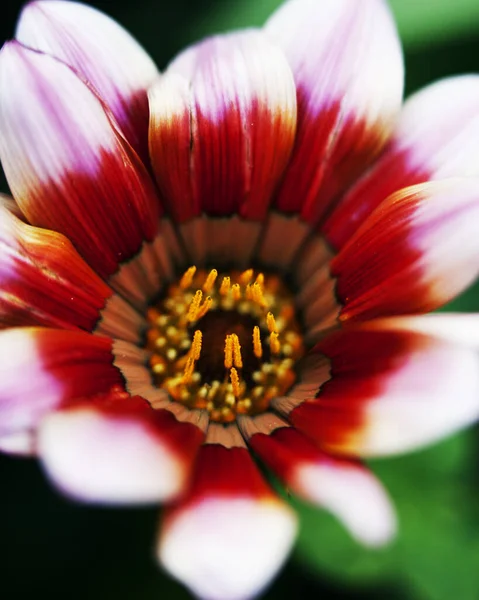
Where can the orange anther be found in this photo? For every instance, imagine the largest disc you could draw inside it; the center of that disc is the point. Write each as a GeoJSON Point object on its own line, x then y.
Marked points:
{"type": "Point", "coordinates": [258, 349]}
{"type": "Point", "coordinates": [187, 278]}
{"type": "Point", "coordinates": [210, 280]}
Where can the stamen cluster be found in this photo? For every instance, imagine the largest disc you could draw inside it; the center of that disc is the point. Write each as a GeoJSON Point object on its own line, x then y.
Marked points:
{"type": "Point", "coordinates": [219, 346]}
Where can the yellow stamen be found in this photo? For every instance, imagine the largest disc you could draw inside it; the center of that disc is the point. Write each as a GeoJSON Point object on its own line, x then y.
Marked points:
{"type": "Point", "coordinates": [187, 278]}
{"type": "Point", "coordinates": [196, 345]}
{"type": "Point", "coordinates": [205, 307]}
{"type": "Point", "coordinates": [258, 357]}
{"type": "Point", "coordinates": [210, 280]}
{"type": "Point", "coordinates": [235, 383]}
{"type": "Point", "coordinates": [238, 361]}
{"type": "Point", "coordinates": [225, 286]}
{"type": "Point", "coordinates": [194, 306]}
{"type": "Point", "coordinates": [270, 322]}
{"type": "Point", "coordinates": [258, 296]}
{"type": "Point", "coordinates": [236, 291]}
{"type": "Point", "coordinates": [260, 280]}
{"type": "Point", "coordinates": [274, 342]}
{"type": "Point", "coordinates": [228, 352]}
{"type": "Point", "coordinates": [189, 368]}
{"type": "Point", "coordinates": [258, 349]}
{"type": "Point", "coordinates": [246, 276]}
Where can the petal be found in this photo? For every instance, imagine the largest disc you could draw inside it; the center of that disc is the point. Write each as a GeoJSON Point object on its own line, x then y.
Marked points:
{"type": "Point", "coordinates": [99, 50]}
{"type": "Point", "coordinates": [348, 68]}
{"type": "Point", "coordinates": [436, 137]}
{"type": "Point", "coordinates": [222, 126]}
{"type": "Point", "coordinates": [45, 282]}
{"type": "Point", "coordinates": [8, 203]}
{"type": "Point", "coordinates": [456, 328]}
{"type": "Point", "coordinates": [115, 449]}
{"type": "Point", "coordinates": [392, 389]}
{"type": "Point", "coordinates": [68, 169]}
{"type": "Point", "coordinates": [230, 534]}
{"type": "Point", "coordinates": [19, 443]}
{"type": "Point", "coordinates": [40, 369]}
{"type": "Point", "coordinates": [416, 252]}
{"type": "Point", "coordinates": [344, 487]}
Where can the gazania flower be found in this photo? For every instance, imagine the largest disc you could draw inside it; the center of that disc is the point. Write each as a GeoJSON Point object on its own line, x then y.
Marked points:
{"type": "Point", "coordinates": [228, 264]}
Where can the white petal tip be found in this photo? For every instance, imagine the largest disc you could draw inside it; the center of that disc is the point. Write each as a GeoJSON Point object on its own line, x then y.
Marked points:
{"type": "Point", "coordinates": [95, 458]}
{"type": "Point", "coordinates": [228, 549]}
{"type": "Point", "coordinates": [355, 497]}
{"type": "Point", "coordinates": [20, 443]}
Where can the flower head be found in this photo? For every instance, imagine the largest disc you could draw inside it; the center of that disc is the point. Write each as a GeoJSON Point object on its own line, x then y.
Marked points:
{"type": "Point", "coordinates": [229, 263]}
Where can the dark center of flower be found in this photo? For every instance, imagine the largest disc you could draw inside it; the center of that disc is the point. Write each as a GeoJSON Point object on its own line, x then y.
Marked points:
{"type": "Point", "coordinates": [227, 344]}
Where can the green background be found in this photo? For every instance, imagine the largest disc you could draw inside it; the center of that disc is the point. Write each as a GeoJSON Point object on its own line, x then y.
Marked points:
{"type": "Point", "coordinates": [54, 548]}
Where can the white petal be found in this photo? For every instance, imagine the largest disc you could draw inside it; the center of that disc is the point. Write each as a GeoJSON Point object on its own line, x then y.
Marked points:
{"type": "Point", "coordinates": [101, 51]}
{"type": "Point", "coordinates": [228, 548]}
{"type": "Point", "coordinates": [436, 137]}
{"type": "Point", "coordinates": [94, 457]}
{"type": "Point", "coordinates": [394, 388]}
{"type": "Point", "coordinates": [346, 59]}
{"type": "Point", "coordinates": [353, 494]}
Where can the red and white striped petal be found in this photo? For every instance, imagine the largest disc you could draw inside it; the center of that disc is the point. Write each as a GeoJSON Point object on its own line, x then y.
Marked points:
{"type": "Point", "coordinates": [436, 137]}
{"type": "Point", "coordinates": [44, 281]}
{"type": "Point", "coordinates": [230, 534]}
{"type": "Point", "coordinates": [393, 388]}
{"type": "Point", "coordinates": [67, 167]}
{"type": "Point", "coordinates": [102, 52]}
{"type": "Point", "coordinates": [115, 449]}
{"type": "Point", "coordinates": [223, 120]}
{"type": "Point", "coordinates": [41, 369]}
{"type": "Point", "coordinates": [416, 252]}
{"type": "Point", "coordinates": [344, 487]}
{"type": "Point", "coordinates": [348, 68]}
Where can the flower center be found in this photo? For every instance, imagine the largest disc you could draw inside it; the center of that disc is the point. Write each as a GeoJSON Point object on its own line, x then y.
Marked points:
{"type": "Point", "coordinates": [227, 344]}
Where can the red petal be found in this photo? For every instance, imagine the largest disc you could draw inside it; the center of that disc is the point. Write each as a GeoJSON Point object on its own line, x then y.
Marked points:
{"type": "Point", "coordinates": [40, 369]}
{"type": "Point", "coordinates": [67, 167]}
{"type": "Point", "coordinates": [436, 137]}
{"type": "Point", "coordinates": [416, 252]}
{"type": "Point", "coordinates": [346, 107]}
{"type": "Point", "coordinates": [392, 389]}
{"type": "Point", "coordinates": [44, 280]}
{"type": "Point", "coordinates": [344, 487]}
{"type": "Point", "coordinates": [229, 535]}
{"type": "Point", "coordinates": [222, 127]}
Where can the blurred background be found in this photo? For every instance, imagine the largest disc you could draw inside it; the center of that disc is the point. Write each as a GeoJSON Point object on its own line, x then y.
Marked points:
{"type": "Point", "coordinates": [51, 547]}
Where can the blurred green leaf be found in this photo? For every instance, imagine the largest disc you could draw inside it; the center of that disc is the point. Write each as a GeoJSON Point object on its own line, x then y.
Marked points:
{"type": "Point", "coordinates": [419, 23]}
{"type": "Point", "coordinates": [432, 21]}
{"type": "Point", "coordinates": [466, 302]}
{"type": "Point", "coordinates": [435, 554]}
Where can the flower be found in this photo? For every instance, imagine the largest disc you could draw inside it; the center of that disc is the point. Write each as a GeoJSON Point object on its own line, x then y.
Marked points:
{"type": "Point", "coordinates": [231, 262]}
